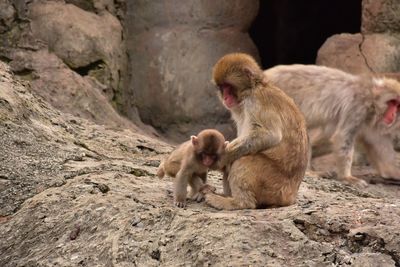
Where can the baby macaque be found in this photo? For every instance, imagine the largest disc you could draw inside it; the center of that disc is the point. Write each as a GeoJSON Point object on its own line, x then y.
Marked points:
{"type": "Point", "coordinates": [345, 107]}
{"type": "Point", "coordinates": [189, 164]}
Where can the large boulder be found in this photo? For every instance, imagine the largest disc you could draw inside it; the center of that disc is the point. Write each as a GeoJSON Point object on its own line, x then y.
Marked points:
{"type": "Point", "coordinates": [74, 56]}
{"type": "Point", "coordinates": [83, 40]}
{"type": "Point", "coordinates": [65, 89]}
{"type": "Point", "coordinates": [380, 16]}
{"type": "Point", "coordinates": [172, 48]}
{"type": "Point", "coordinates": [357, 53]}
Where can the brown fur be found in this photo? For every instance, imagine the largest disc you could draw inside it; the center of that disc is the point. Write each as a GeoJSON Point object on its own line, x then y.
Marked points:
{"type": "Point", "coordinates": [267, 161]}
{"type": "Point", "coordinates": [186, 166]}
{"type": "Point", "coordinates": [344, 107]}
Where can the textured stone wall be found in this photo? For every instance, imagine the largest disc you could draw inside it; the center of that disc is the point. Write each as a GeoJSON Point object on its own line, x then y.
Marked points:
{"type": "Point", "coordinates": [72, 52]}
{"type": "Point", "coordinates": [172, 48]}
{"type": "Point", "coordinates": [147, 58]}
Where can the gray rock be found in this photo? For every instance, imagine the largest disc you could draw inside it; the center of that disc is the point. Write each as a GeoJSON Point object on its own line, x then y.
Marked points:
{"type": "Point", "coordinates": [172, 50]}
{"type": "Point", "coordinates": [65, 89]}
{"type": "Point", "coordinates": [356, 53]}
{"type": "Point", "coordinates": [7, 15]}
{"type": "Point", "coordinates": [379, 16]}
{"type": "Point", "coordinates": [81, 39]}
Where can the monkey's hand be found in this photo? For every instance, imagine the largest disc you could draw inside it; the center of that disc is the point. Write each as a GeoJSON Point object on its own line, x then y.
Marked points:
{"type": "Point", "coordinates": [258, 140]}
{"type": "Point", "coordinates": [206, 189]}
{"type": "Point", "coordinates": [223, 163]}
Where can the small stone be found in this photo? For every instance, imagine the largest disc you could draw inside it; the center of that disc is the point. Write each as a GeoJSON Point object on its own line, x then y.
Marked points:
{"type": "Point", "coordinates": [136, 221]}
{"type": "Point", "coordinates": [103, 188]}
{"type": "Point", "coordinates": [75, 232]}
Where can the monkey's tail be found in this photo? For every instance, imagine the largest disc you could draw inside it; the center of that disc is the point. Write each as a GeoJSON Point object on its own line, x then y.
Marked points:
{"type": "Point", "coordinates": [161, 172]}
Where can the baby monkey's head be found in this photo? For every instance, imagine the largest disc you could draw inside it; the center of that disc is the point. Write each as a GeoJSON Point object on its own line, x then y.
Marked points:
{"type": "Point", "coordinates": [208, 145]}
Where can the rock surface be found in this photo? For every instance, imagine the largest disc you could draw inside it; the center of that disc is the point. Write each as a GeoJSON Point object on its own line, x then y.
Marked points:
{"type": "Point", "coordinates": [172, 49]}
{"type": "Point", "coordinates": [380, 16]}
{"type": "Point", "coordinates": [357, 53]}
{"type": "Point", "coordinates": [77, 56]}
{"type": "Point", "coordinates": [73, 193]}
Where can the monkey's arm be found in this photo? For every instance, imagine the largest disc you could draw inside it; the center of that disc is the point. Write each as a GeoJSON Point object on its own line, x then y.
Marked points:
{"type": "Point", "coordinates": [264, 132]}
{"type": "Point", "coordinates": [181, 182]}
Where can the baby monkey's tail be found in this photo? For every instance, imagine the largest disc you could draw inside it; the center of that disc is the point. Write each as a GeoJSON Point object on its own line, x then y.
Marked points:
{"type": "Point", "coordinates": [161, 172]}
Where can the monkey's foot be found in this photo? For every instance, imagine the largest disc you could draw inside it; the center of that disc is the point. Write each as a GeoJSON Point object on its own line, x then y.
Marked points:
{"type": "Point", "coordinates": [197, 196]}
{"type": "Point", "coordinates": [351, 180]}
{"type": "Point", "coordinates": [214, 201]}
{"type": "Point", "coordinates": [180, 204]}
{"type": "Point", "coordinates": [228, 203]}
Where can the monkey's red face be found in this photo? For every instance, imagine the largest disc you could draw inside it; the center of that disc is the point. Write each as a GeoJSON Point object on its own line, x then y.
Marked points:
{"type": "Point", "coordinates": [228, 95]}
{"type": "Point", "coordinates": [391, 112]}
{"type": "Point", "coordinates": [208, 159]}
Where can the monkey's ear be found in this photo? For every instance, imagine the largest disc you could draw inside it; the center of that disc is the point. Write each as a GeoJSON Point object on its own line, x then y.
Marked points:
{"type": "Point", "coordinates": [379, 86]}
{"type": "Point", "coordinates": [194, 140]}
{"type": "Point", "coordinates": [252, 73]}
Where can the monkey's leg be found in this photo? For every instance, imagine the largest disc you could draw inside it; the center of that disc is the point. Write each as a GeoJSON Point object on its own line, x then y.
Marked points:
{"type": "Point", "coordinates": [225, 184]}
{"type": "Point", "coordinates": [196, 183]}
{"type": "Point", "coordinates": [381, 154]}
{"type": "Point", "coordinates": [160, 171]}
{"type": "Point", "coordinates": [230, 203]}
{"type": "Point", "coordinates": [181, 181]}
{"type": "Point", "coordinates": [344, 149]}
{"type": "Point", "coordinates": [242, 198]}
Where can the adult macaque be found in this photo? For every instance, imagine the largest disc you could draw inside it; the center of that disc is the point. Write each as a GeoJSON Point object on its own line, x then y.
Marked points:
{"type": "Point", "coordinates": [266, 163]}
{"type": "Point", "coordinates": [189, 164]}
{"type": "Point", "coordinates": [345, 107]}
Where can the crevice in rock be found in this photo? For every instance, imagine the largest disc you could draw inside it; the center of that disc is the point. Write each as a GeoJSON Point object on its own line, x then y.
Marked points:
{"type": "Point", "coordinates": [319, 233]}
{"type": "Point", "coordinates": [357, 242]}
{"type": "Point", "coordinates": [362, 53]}
{"type": "Point", "coordinates": [23, 72]}
{"type": "Point", "coordinates": [351, 243]}
{"type": "Point", "coordinates": [5, 59]}
{"type": "Point", "coordinates": [108, 167]}
{"type": "Point", "coordinates": [84, 70]}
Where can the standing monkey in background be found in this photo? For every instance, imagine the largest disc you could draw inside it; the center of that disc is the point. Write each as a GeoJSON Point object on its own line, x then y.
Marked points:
{"type": "Point", "coordinates": [266, 163]}
{"type": "Point", "coordinates": [189, 164]}
{"type": "Point", "coordinates": [345, 107]}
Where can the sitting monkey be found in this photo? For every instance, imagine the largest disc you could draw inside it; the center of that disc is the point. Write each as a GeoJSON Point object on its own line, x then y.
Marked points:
{"type": "Point", "coordinates": [267, 161]}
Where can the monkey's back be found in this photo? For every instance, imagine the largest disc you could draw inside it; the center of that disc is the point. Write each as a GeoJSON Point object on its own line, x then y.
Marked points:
{"type": "Point", "coordinates": [323, 94]}
{"type": "Point", "coordinates": [291, 154]}
{"type": "Point", "coordinates": [173, 162]}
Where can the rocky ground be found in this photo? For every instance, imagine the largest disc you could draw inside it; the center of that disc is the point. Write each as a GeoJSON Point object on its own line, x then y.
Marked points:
{"type": "Point", "coordinates": [73, 193]}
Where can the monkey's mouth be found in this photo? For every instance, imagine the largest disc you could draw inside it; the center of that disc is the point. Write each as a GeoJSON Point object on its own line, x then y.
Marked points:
{"type": "Point", "coordinates": [391, 112]}
{"type": "Point", "coordinates": [208, 159]}
{"type": "Point", "coordinates": [228, 95]}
